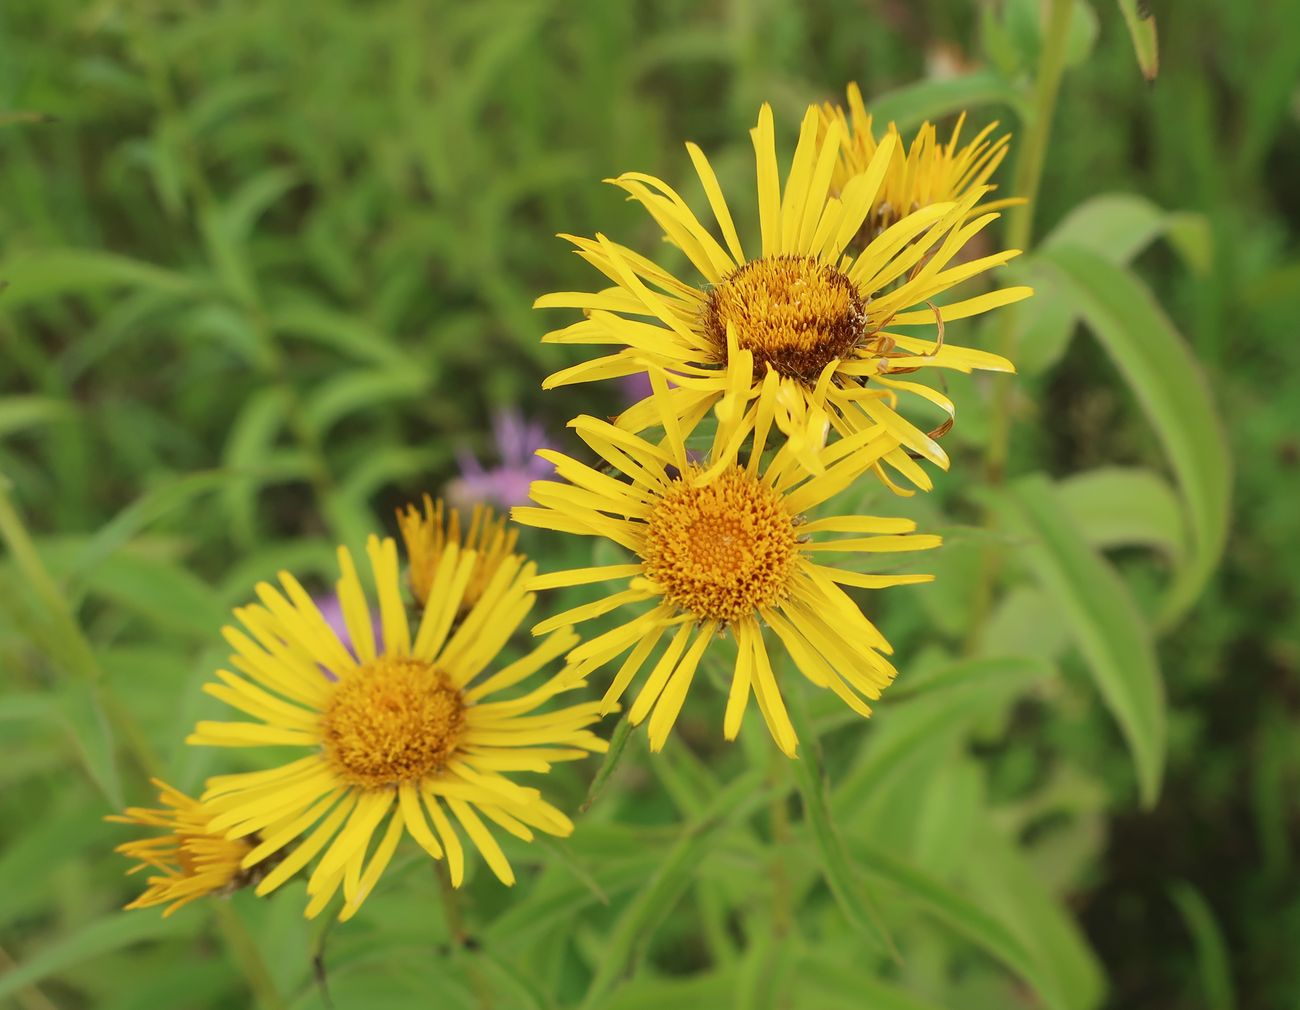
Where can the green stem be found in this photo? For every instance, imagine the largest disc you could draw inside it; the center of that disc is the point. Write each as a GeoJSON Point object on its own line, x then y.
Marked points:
{"type": "Point", "coordinates": [779, 817]}
{"type": "Point", "coordinates": [461, 941]}
{"type": "Point", "coordinates": [1030, 159]}
{"type": "Point", "coordinates": [249, 958]}
{"type": "Point", "coordinates": [66, 638]}
{"type": "Point", "coordinates": [81, 659]}
{"type": "Point", "coordinates": [1033, 151]}
{"type": "Point", "coordinates": [1031, 156]}
{"type": "Point", "coordinates": [29, 997]}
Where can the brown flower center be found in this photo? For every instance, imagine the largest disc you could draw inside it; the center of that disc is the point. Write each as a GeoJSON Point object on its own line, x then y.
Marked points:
{"type": "Point", "coordinates": [723, 549]}
{"type": "Point", "coordinates": [795, 313]}
{"type": "Point", "coordinates": [392, 720]}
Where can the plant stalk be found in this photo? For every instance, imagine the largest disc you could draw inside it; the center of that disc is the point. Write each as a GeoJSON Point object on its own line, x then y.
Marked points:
{"type": "Point", "coordinates": [250, 960]}
{"type": "Point", "coordinates": [1030, 160]}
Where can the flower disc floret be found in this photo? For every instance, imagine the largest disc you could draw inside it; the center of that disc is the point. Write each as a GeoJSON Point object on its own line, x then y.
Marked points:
{"type": "Point", "coordinates": [720, 550]}
{"type": "Point", "coordinates": [394, 720]}
{"type": "Point", "coordinates": [794, 313]}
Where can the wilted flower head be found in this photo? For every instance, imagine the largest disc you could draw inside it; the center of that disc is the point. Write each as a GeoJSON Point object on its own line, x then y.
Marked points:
{"type": "Point", "coordinates": [431, 533]}
{"type": "Point", "coordinates": [192, 861]}
{"type": "Point", "coordinates": [506, 484]}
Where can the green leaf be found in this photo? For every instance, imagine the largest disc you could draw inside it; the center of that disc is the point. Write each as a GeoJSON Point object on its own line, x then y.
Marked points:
{"type": "Point", "coordinates": [167, 594]}
{"type": "Point", "coordinates": [63, 834]}
{"type": "Point", "coordinates": [352, 391]}
{"type": "Point", "coordinates": [522, 991]}
{"type": "Point", "coordinates": [1142, 30]}
{"type": "Point", "coordinates": [37, 277]}
{"type": "Point", "coordinates": [638, 920]}
{"type": "Point", "coordinates": [1025, 620]}
{"type": "Point", "coordinates": [393, 464]}
{"type": "Point", "coordinates": [1125, 507]}
{"type": "Point", "coordinates": [912, 105]}
{"type": "Point", "coordinates": [842, 975]}
{"type": "Point", "coordinates": [1192, 236]}
{"type": "Point", "coordinates": [953, 910]}
{"type": "Point", "coordinates": [346, 334]}
{"type": "Point", "coordinates": [26, 708]}
{"type": "Point", "coordinates": [554, 906]}
{"type": "Point", "coordinates": [1046, 323]}
{"type": "Point", "coordinates": [82, 705]}
{"type": "Point", "coordinates": [1103, 620]}
{"type": "Point", "coordinates": [1082, 34]}
{"type": "Point", "coordinates": [103, 936]}
{"type": "Point", "coordinates": [1173, 393]}
{"type": "Point", "coordinates": [1003, 882]}
{"type": "Point", "coordinates": [1212, 958]}
{"type": "Point", "coordinates": [644, 912]}
{"type": "Point", "coordinates": [937, 711]}
{"type": "Point", "coordinates": [617, 744]}
{"type": "Point", "coordinates": [250, 442]}
{"type": "Point", "coordinates": [64, 641]}
{"type": "Point", "coordinates": [842, 877]}
{"type": "Point", "coordinates": [1115, 226]}
{"type": "Point", "coordinates": [714, 989]}
{"type": "Point", "coordinates": [20, 412]}
{"type": "Point", "coordinates": [146, 509]}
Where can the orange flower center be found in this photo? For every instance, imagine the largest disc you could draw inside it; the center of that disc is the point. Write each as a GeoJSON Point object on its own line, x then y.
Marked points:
{"type": "Point", "coordinates": [795, 313]}
{"type": "Point", "coordinates": [723, 549]}
{"type": "Point", "coordinates": [392, 720]}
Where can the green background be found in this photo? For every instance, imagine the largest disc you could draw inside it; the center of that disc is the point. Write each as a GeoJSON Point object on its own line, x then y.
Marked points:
{"type": "Point", "coordinates": [269, 267]}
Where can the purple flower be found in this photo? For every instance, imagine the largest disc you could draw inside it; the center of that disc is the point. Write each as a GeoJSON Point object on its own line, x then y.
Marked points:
{"type": "Point", "coordinates": [332, 610]}
{"type": "Point", "coordinates": [636, 387]}
{"type": "Point", "coordinates": [506, 484]}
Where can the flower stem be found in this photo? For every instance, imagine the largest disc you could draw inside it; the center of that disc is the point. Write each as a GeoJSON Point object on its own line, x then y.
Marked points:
{"type": "Point", "coordinates": [1033, 153]}
{"type": "Point", "coordinates": [461, 942]}
{"type": "Point", "coordinates": [249, 958]}
{"type": "Point", "coordinates": [1031, 157]}
{"type": "Point", "coordinates": [779, 815]}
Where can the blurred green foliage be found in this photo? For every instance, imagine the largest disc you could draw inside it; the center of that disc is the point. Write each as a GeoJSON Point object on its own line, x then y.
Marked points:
{"type": "Point", "coordinates": [270, 265]}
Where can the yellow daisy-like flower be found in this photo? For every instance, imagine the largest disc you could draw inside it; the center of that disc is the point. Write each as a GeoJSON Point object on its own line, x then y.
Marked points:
{"type": "Point", "coordinates": [406, 741]}
{"type": "Point", "coordinates": [925, 173]}
{"type": "Point", "coordinates": [194, 860]}
{"type": "Point", "coordinates": [722, 547]}
{"type": "Point", "coordinates": [428, 534]}
{"type": "Point", "coordinates": [817, 316]}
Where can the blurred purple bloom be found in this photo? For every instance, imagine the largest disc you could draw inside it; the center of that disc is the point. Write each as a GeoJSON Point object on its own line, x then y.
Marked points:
{"type": "Point", "coordinates": [636, 387]}
{"type": "Point", "coordinates": [506, 484]}
{"type": "Point", "coordinates": [332, 610]}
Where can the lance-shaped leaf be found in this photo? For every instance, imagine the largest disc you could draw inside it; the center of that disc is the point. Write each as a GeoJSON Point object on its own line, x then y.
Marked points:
{"type": "Point", "coordinates": [1172, 391]}
{"type": "Point", "coordinates": [1103, 620]}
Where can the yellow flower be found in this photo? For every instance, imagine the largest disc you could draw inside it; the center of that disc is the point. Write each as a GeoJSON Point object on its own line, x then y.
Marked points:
{"type": "Point", "coordinates": [405, 741]}
{"type": "Point", "coordinates": [194, 860]}
{"type": "Point", "coordinates": [428, 534]}
{"type": "Point", "coordinates": [723, 547]}
{"type": "Point", "coordinates": [925, 174]}
{"type": "Point", "coordinates": [823, 320]}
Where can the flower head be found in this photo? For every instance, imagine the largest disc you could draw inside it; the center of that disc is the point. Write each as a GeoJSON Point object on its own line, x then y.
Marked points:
{"type": "Point", "coordinates": [924, 174]}
{"type": "Point", "coordinates": [193, 860]}
{"type": "Point", "coordinates": [723, 548]}
{"type": "Point", "coordinates": [428, 535]}
{"type": "Point", "coordinates": [411, 739]}
{"type": "Point", "coordinates": [506, 484]}
{"type": "Point", "coordinates": [830, 324]}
